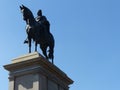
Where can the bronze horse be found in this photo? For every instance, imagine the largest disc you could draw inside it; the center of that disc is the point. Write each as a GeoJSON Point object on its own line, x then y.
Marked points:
{"type": "Point", "coordinates": [37, 33]}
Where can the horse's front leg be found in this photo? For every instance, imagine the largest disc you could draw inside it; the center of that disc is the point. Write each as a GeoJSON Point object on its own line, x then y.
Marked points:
{"type": "Point", "coordinates": [29, 41]}
{"type": "Point", "coordinates": [35, 46]}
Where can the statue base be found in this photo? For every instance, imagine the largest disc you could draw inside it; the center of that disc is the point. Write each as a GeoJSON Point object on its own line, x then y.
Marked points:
{"type": "Point", "coordinates": [33, 72]}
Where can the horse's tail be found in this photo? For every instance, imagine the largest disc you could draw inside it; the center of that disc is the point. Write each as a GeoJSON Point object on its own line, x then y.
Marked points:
{"type": "Point", "coordinates": [51, 48]}
{"type": "Point", "coordinates": [50, 55]}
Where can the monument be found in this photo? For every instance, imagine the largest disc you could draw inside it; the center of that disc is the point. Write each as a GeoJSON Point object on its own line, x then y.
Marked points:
{"type": "Point", "coordinates": [38, 31]}
{"type": "Point", "coordinates": [33, 71]}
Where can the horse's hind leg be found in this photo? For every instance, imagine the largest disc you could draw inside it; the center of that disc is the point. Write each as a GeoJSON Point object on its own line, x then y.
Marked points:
{"type": "Point", "coordinates": [44, 49]}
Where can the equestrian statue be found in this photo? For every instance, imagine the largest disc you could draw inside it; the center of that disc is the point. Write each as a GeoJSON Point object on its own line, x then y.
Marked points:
{"type": "Point", "coordinates": [38, 30]}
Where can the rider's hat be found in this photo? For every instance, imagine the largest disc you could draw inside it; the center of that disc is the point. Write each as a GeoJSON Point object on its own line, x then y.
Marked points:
{"type": "Point", "coordinates": [39, 13]}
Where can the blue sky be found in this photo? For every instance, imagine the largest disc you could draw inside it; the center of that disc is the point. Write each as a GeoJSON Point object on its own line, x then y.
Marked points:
{"type": "Point", "coordinates": [87, 39]}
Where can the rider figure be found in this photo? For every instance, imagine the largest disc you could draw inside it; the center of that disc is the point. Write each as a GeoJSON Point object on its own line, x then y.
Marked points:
{"type": "Point", "coordinates": [43, 21]}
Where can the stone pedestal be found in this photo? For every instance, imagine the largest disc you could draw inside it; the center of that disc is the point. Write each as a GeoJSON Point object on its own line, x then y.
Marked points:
{"type": "Point", "coordinates": [34, 72]}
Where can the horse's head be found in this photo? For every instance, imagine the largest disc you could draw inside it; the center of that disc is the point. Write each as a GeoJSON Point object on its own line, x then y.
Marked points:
{"type": "Point", "coordinates": [27, 14]}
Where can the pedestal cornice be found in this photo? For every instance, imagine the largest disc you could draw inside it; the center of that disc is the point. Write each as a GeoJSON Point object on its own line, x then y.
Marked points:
{"type": "Point", "coordinates": [35, 59]}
